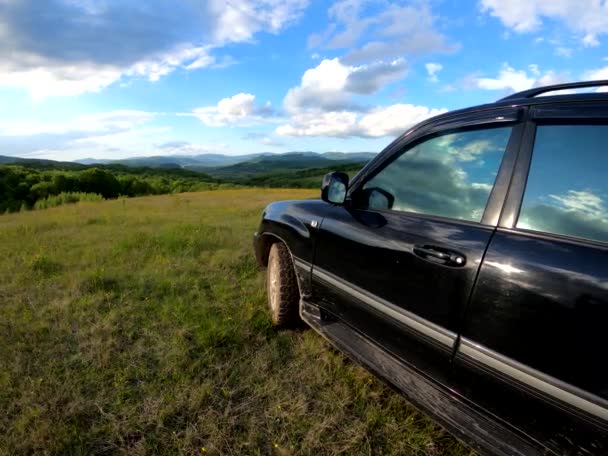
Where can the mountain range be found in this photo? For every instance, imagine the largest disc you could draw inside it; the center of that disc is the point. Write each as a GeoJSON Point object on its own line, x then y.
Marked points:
{"type": "Point", "coordinates": [225, 167]}
{"type": "Point", "coordinates": [204, 161]}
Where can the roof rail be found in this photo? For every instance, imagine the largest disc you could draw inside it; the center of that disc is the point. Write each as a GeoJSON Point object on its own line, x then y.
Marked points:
{"type": "Point", "coordinates": [531, 93]}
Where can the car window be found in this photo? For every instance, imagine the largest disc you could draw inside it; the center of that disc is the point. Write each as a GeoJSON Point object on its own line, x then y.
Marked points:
{"type": "Point", "coordinates": [567, 186]}
{"type": "Point", "coordinates": [449, 175]}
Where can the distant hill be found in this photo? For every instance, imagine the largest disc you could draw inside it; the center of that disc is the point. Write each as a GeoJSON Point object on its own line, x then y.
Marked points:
{"type": "Point", "coordinates": [304, 178]}
{"type": "Point", "coordinates": [40, 163]}
{"type": "Point", "coordinates": [203, 161]}
{"type": "Point", "coordinates": [216, 164]}
{"type": "Point", "coordinates": [350, 156]}
{"type": "Point", "coordinates": [297, 169]}
{"type": "Point", "coordinates": [168, 160]}
{"type": "Point", "coordinates": [282, 163]}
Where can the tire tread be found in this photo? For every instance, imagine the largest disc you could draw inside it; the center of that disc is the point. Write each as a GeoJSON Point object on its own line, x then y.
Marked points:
{"type": "Point", "coordinates": [289, 293]}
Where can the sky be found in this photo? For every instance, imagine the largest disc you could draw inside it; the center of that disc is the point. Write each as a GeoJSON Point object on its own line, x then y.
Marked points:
{"type": "Point", "coordinates": [123, 78]}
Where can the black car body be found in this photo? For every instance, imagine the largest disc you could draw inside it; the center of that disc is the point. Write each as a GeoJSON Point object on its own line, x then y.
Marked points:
{"type": "Point", "coordinates": [467, 265]}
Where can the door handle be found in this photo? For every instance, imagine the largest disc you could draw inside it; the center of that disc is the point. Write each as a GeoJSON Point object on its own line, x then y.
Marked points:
{"type": "Point", "coordinates": [445, 256]}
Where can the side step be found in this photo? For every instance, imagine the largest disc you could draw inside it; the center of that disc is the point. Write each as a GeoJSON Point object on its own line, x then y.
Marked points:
{"type": "Point", "coordinates": [480, 431]}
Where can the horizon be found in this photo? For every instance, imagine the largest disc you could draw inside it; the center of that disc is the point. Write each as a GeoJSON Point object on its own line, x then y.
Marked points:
{"type": "Point", "coordinates": [207, 154]}
{"type": "Point", "coordinates": [125, 79]}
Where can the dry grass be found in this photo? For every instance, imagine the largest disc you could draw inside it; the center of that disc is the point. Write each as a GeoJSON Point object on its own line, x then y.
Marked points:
{"type": "Point", "coordinates": [139, 327]}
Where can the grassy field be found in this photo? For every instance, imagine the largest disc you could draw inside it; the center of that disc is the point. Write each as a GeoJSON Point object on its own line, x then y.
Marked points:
{"type": "Point", "coordinates": [139, 326]}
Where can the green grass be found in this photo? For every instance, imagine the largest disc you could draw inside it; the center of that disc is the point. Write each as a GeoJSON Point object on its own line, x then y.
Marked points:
{"type": "Point", "coordinates": [139, 326]}
{"type": "Point", "coordinates": [66, 198]}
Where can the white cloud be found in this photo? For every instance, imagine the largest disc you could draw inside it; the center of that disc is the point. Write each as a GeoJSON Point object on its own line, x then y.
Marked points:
{"type": "Point", "coordinates": [271, 142]}
{"type": "Point", "coordinates": [580, 213]}
{"type": "Point", "coordinates": [240, 109]}
{"type": "Point", "coordinates": [597, 74]}
{"type": "Point", "coordinates": [374, 123]}
{"type": "Point", "coordinates": [508, 78]}
{"type": "Point", "coordinates": [239, 20]}
{"type": "Point", "coordinates": [511, 79]}
{"type": "Point", "coordinates": [43, 77]}
{"type": "Point", "coordinates": [333, 123]}
{"type": "Point", "coordinates": [85, 47]}
{"type": "Point", "coordinates": [323, 104]}
{"type": "Point", "coordinates": [80, 136]}
{"type": "Point", "coordinates": [561, 51]}
{"type": "Point", "coordinates": [320, 86]}
{"type": "Point", "coordinates": [479, 185]}
{"type": "Point", "coordinates": [368, 79]}
{"type": "Point", "coordinates": [115, 135]}
{"type": "Point", "coordinates": [550, 78]}
{"type": "Point", "coordinates": [100, 123]}
{"type": "Point", "coordinates": [432, 69]}
{"type": "Point", "coordinates": [395, 119]}
{"type": "Point", "coordinates": [590, 40]}
{"type": "Point", "coordinates": [59, 80]}
{"type": "Point", "coordinates": [331, 84]}
{"type": "Point", "coordinates": [133, 142]}
{"type": "Point", "coordinates": [583, 202]}
{"type": "Point", "coordinates": [589, 18]}
{"type": "Point", "coordinates": [472, 150]}
{"type": "Point", "coordinates": [391, 31]}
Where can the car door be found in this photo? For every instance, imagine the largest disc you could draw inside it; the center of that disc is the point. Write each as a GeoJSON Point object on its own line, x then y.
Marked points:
{"type": "Point", "coordinates": [398, 261]}
{"type": "Point", "coordinates": [538, 314]}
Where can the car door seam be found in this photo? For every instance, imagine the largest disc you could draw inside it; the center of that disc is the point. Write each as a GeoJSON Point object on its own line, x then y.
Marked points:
{"type": "Point", "coordinates": [461, 324]}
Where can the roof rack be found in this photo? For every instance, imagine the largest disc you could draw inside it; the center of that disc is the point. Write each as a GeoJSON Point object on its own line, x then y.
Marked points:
{"type": "Point", "coordinates": [531, 93]}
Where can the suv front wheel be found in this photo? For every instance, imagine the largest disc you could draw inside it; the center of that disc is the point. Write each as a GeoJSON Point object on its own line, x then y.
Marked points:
{"type": "Point", "coordinates": [282, 286]}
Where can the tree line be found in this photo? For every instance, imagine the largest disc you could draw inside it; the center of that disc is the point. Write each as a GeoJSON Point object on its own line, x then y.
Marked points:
{"type": "Point", "coordinates": [40, 184]}
{"type": "Point", "coordinates": [22, 186]}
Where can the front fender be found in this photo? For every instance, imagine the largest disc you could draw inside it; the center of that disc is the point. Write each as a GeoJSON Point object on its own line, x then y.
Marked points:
{"type": "Point", "coordinates": [292, 222]}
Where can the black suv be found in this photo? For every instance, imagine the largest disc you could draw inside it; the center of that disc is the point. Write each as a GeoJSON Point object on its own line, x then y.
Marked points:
{"type": "Point", "coordinates": [467, 265]}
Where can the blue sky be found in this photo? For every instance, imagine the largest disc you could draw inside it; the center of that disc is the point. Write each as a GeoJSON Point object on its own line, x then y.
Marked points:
{"type": "Point", "coordinates": [120, 78]}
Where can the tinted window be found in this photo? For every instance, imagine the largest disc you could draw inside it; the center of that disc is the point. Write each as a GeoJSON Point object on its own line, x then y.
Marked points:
{"type": "Point", "coordinates": [449, 175]}
{"type": "Point", "coordinates": [567, 185]}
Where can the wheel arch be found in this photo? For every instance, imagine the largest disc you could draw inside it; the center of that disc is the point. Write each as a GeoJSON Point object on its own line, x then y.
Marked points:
{"type": "Point", "coordinates": [263, 245]}
{"type": "Point", "coordinates": [264, 242]}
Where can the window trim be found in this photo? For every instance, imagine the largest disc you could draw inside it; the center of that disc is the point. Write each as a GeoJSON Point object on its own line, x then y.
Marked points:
{"type": "Point", "coordinates": [561, 115]}
{"type": "Point", "coordinates": [480, 118]}
{"type": "Point", "coordinates": [494, 204]}
{"type": "Point", "coordinates": [556, 237]}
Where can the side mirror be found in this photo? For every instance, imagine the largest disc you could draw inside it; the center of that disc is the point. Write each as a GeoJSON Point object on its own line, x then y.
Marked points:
{"type": "Point", "coordinates": [333, 188]}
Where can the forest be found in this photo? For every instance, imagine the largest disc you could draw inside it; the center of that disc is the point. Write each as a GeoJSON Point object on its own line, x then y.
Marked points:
{"type": "Point", "coordinates": [24, 187]}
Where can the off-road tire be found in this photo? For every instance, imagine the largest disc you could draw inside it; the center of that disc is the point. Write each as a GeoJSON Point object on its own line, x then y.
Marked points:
{"type": "Point", "coordinates": [282, 287]}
